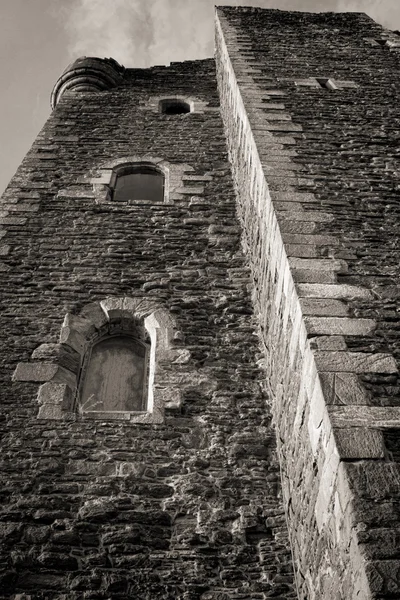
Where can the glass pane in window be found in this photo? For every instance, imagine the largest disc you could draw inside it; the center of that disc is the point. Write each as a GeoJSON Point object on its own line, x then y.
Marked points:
{"type": "Point", "coordinates": [115, 378]}
{"type": "Point", "coordinates": [146, 184]}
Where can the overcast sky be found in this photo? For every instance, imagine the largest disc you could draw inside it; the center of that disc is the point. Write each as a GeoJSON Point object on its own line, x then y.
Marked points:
{"type": "Point", "coordinates": [39, 38]}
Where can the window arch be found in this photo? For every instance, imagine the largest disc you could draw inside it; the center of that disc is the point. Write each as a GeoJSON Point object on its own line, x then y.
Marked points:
{"type": "Point", "coordinates": [174, 106]}
{"type": "Point", "coordinates": [140, 181]}
{"type": "Point", "coordinates": [138, 330]}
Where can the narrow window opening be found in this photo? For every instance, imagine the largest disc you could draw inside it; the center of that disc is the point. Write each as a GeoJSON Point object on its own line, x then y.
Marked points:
{"type": "Point", "coordinates": [115, 375]}
{"type": "Point", "coordinates": [174, 107]}
{"type": "Point", "coordinates": [139, 183]}
{"type": "Point", "coordinates": [326, 83]}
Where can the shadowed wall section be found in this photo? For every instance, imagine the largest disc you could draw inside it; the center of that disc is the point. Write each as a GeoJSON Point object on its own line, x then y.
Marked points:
{"type": "Point", "coordinates": [305, 101]}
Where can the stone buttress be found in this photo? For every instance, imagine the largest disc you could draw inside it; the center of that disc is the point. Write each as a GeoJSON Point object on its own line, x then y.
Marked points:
{"type": "Point", "coordinates": [311, 111]}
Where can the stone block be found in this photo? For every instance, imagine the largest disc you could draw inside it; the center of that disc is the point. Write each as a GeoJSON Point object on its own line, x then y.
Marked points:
{"type": "Point", "coordinates": [302, 197]}
{"type": "Point", "coordinates": [356, 443]}
{"type": "Point", "coordinates": [355, 362]}
{"type": "Point", "coordinates": [13, 220]}
{"type": "Point", "coordinates": [343, 389]}
{"type": "Point", "coordinates": [302, 227]}
{"type": "Point", "coordinates": [380, 543]}
{"type": "Point", "coordinates": [65, 356]}
{"type": "Point", "coordinates": [78, 325]}
{"type": "Point", "coordinates": [72, 338]}
{"type": "Point", "coordinates": [95, 314]}
{"type": "Point", "coordinates": [302, 251]}
{"type": "Point", "coordinates": [374, 480]}
{"type": "Point", "coordinates": [324, 502]}
{"type": "Point", "coordinates": [323, 307]}
{"type": "Point", "coordinates": [321, 264]}
{"type": "Point", "coordinates": [340, 291]}
{"type": "Point", "coordinates": [58, 394]}
{"type": "Point", "coordinates": [314, 216]}
{"type": "Point", "coordinates": [328, 342]}
{"type": "Point", "coordinates": [313, 276]}
{"type": "Point", "coordinates": [38, 371]}
{"type": "Point", "coordinates": [339, 326]}
{"type": "Point", "coordinates": [51, 411]}
{"type": "Point", "coordinates": [365, 416]}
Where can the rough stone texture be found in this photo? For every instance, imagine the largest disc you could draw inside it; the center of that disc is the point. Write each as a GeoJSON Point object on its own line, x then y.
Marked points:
{"type": "Point", "coordinates": [316, 178]}
{"type": "Point", "coordinates": [190, 508]}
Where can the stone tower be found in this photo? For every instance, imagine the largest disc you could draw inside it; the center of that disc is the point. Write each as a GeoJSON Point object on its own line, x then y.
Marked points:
{"type": "Point", "coordinates": [200, 394]}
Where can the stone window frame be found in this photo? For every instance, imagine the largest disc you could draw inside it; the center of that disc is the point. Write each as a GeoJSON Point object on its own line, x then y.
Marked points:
{"type": "Point", "coordinates": [328, 83]}
{"type": "Point", "coordinates": [131, 167]}
{"type": "Point", "coordinates": [58, 366]}
{"type": "Point", "coordinates": [197, 106]}
{"type": "Point", "coordinates": [177, 101]}
{"type": "Point", "coordinates": [174, 175]}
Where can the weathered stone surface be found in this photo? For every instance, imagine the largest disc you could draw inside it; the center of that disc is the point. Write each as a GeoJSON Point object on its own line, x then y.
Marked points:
{"type": "Point", "coordinates": [355, 362]}
{"type": "Point", "coordinates": [343, 388]}
{"type": "Point", "coordinates": [323, 307]}
{"type": "Point", "coordinates": [107, 505]}
{"type": "Point", "coordinates": [355, 443]}
{"type": "Point", "coordinates": [346, 292]}
{"type": "Point", "coordinates": [352, 264]}
{"type": "Point", "coordinates": [190, 508]}
{"type": "Point", "coordinates": [35, 371]}
{"type": "Point", "coordinates": [374, 480]}
{"type": "Point", "coordinates": [365, 416]}
{"type": "Point", "coordinates": [339, 326]}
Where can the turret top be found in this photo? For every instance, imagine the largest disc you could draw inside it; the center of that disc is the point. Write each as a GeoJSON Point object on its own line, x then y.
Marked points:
{"type": "Point", "coordinates": [90, 74]}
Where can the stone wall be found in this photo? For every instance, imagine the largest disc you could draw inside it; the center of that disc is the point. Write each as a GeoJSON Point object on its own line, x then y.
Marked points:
{"type": "Point", "coordinates": [310, 110]}
{"type": "Point", "coordinates": [188, 508]}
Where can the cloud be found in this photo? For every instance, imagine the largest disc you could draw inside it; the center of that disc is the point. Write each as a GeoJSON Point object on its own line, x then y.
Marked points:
{"type": "Point", "coordinates": [120, 29]}
{"type": "Point", "coordinates": [385, 12]}
{"type": "Point", "coordinates": [140, 33]}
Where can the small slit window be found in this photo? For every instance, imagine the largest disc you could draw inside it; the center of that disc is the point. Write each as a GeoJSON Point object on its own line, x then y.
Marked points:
{"type": "Point", "coordinates": [173, 106]}
{"type": "Point", "coordinates": [139, 182]}
{"type": "Point", "coordinates": [115, 375]}
{"type": "Point", "coordinates": [326, 83]}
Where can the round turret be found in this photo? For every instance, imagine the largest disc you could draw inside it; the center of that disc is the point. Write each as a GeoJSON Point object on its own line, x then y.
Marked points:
{"type": "Point", "coordinates": [88, 74]}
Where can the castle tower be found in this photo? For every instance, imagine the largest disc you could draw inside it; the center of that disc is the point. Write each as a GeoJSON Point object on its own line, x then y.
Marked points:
{"type": "Point", "coordinates": [199, 379]}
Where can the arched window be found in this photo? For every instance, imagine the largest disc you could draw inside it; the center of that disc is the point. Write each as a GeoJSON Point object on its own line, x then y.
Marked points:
{"type": "Point", "coordinates": [174, 106]}
{"type": "Point", "coordinates": [113, 361]}
{"type": "Point", "coordinates": [114, 377]}
{"type": "Point", "coordinates": [139, 182]}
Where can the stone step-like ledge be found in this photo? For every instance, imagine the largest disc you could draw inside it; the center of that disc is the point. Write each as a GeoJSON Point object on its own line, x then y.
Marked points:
{"type": "Point", "coordinates": [316, 240]}
{"type": "Point", "coordinates": [319, 264]}
{"type": "Point", "coordinates": [337, 290]}
{"type": "Point", "coordinates": [323, 307]}
{"type": "Point", "coordinates": [339, 326]}
{"type": "Point", "coordinates": [365, 416]}
{"type": "Point", "coordinates": [311, 215]}
{"type": "Point", "coordinates": [355, 362]}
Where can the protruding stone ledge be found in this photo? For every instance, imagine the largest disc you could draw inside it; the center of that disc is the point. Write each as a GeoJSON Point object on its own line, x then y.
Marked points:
{"type": "Point", "coordinates": [365, 416]}
{"type": "Point", "coordinates": [343, 389]}
{"type": "Point", "coordinates": [356, 443]}
{"type": "Point", "coordinates": [355, 362]}
{"type": "Point", "coordinates": [339, 326]}
{"type": "Point", "coordinates": [314, 381]}
{"type": "Point", "coordinates": [343, 291]}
